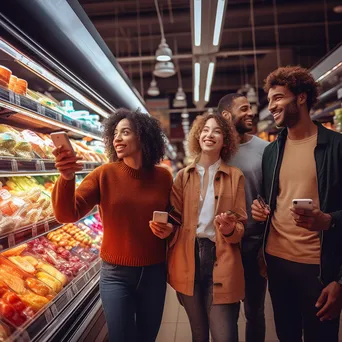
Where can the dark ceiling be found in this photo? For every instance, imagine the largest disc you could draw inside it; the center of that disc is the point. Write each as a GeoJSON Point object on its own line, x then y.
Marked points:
{"type": "Point", "coordinates": [307, 30]}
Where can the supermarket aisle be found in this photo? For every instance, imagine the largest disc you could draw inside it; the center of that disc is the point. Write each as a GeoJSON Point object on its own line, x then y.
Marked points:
{"type": "Point", "coordinates": [175, 326]}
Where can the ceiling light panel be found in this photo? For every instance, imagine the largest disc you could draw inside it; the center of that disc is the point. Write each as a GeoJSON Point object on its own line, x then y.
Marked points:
{"type": "Point", "coordinates": [197, 21]}
{"type": "Point", "coordinates": [210, 75]}
{"type": "Point", "coordinates": [197, 81]}
{"type": "Point", "coordinates": [218, 21]}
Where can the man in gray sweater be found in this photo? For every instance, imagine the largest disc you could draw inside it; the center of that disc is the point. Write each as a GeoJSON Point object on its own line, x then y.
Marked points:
{"type": "Point", "coordinates": [236, 108]}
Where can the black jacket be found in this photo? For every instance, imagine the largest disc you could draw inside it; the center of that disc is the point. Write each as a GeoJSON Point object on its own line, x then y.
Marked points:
{"type": "Point", "coordinates": [328, 157]}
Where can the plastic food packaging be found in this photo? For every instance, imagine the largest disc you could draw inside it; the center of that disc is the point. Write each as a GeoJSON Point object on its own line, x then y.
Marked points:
{"type": "Point", "coordinates": [38, 144]}
{"type": "Point", "coordinates": [13, 144]}
{"type": "Point", "coordinates": [35, 301]}
{"type": "Point", "coordinates": [12, 82]}
{"type": "Point", "coordinates": [5, 75]}
{"type": "Point", "coordinates": [20, 87]}
{"type": "Point", "coordinates": [50, 281]}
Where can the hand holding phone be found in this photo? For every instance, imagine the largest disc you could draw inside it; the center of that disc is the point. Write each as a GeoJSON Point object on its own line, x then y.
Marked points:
{"type": "Point", "coordinates": [61, 139]}
{"type": "Point", "coordinates": [302, 203]}
{"type": "Point", "coordinates": [66, 158]}
{"type": "Point", "coordinates": [160, 216]}
{"type": "Point", "coordinates": [160, 226]}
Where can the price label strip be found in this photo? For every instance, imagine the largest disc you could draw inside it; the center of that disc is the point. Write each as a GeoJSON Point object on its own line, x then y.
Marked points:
{"type": "Point", "coordinates": [69, 294]}
{"type": "Point", "coordinates": [14, 165]}
{"type": "Point", "coordinates": [48, 315]}
{"type": "Point", "coordinates": [11, 96]}
{"type": "Point", "coordinates": [17, 99]}
{"type": "Point", "coordinates": [40, 109]}
{"type": "Point", "coordinates": [34, 230]}
{"type": "Point", "coordinates": [46, 227]}
{"type": "Point", "coordinates": [54, 310]}
{"type": "Point", "coordinates": [11, 240]}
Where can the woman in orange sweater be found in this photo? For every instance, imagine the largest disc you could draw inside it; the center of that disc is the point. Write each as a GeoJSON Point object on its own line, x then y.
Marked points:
{"type": "Point", "coordinates": [127, 190]}
{"type": "Point", "coordinates": [204, 260]}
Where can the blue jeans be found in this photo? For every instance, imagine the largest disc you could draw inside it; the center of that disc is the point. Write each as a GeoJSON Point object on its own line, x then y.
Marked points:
{"type": "Point", "coordinates": [255, 290]}
{"type": "Point", "coordinates": [133, 301]}
{"type": "Point", "coordinates": [204, 316]}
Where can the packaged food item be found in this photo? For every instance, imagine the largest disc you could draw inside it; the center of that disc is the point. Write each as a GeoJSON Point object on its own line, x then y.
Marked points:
{"type": "Point", "coordinates": [37, 287]}
{"type": "Point", "coordinates": [32, 260]}
{"type": "Point", "coordinates": [38, 144]}
{"type": "Point", "coordinates": [13, 282]}
{"type": "Point", "coordinates": [50, 281]}
{"type": "Point", "coordinates": [36, 302]}
{"type": "Point", "coordinates": [13, 142]}
{"type": "Point", "coordinates": [12, 82]}
{"type": "Point", "coordinates": [17, 250]}
{"type": "Point", "coordinates": [53, 272]}
{"type": "Point", "coordinates": [20, 86]}
{"type": "Point", "coordinates": [5, 75]}
{"type": "Point", "coordinates": [22, 264]}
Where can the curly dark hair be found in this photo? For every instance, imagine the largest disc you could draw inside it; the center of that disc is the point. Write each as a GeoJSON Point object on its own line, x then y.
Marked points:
{"type": "Point", "coordinates": [297, 79]}
{"type": "Point", "coordinates": [230, 138]}
{"type": "Point", "coordinates": [147, 129]}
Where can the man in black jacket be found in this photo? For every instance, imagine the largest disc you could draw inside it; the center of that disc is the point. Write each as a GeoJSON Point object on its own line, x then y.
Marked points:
{"type": "Point", "coordinates": [302, 248]}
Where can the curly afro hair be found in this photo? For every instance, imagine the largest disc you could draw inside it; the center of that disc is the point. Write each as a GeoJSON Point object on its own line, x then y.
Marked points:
{"type": "Point", "coordinates": [147, 129]}
{"type": "Point", "coordinates": [230, 138]}
{"type": "Point", "coordinates": [297, 79]}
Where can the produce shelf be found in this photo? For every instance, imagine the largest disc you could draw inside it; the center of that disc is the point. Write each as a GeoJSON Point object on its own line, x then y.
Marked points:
{"type": "Point", "coordinates": [15, 167]}
{"type": "Point", "coordinates": [32, 231]}
{"type": "Point", "coordinates": [22, 111]}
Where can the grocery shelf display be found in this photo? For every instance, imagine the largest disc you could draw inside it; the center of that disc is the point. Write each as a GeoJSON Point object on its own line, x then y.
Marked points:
{"type": "Point", "coordinates": [47, 269]}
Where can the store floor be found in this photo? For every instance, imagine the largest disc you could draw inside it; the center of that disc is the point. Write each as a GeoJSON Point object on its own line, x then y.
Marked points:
{"type": "Point", "coordinates": [175, 326]}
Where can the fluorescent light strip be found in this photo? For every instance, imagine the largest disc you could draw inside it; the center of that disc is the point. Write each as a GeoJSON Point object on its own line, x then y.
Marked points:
{"type": "Point", "coordinates": [197, 81]}
{"type": "Point", "coordinates": [218, 21]}
{"type": "Point", "coordinates": [49, 121]}
{"type": "Point", "coordinates": [197, 21]}
{"type": "Point", "coordinates": [209, 81]}
{"type": "Point", "coordinates": [329, 72]}
{"type": "Point", "coordinates": [49, 77]}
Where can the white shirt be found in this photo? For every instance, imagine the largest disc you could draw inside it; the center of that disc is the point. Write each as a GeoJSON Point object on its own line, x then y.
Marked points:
{"type": "Point", "coordinates": [206, 228]}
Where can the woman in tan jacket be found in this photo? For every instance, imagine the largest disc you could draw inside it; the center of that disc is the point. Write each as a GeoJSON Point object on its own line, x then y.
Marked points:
{"type": "Point", "coordinates": [204, 261]}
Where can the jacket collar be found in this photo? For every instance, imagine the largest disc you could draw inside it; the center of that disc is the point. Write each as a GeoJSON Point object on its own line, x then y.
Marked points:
{"type": "Point", "coordinates": [223, 167]}
{"type": "Point", "coordinates": [322, 134]}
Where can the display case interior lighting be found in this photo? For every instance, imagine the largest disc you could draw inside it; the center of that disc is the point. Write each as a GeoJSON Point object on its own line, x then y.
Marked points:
{"type": "Point", "coordinates": [197, 81]}
{"type": "Point", "coordinates": [49, 77]}
{"type": "Point", "coordinates": [218, 21]}
{"type": "Point", "coordinates": [210, 75]}
{"type": "Point", "coordinates": [197, 21]}
{"type": "Point", "coordinates": [329, 72]}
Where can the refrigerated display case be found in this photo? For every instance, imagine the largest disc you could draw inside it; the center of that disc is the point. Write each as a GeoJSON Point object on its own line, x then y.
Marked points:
{"type": "Point", "coordinates": [49, 272]}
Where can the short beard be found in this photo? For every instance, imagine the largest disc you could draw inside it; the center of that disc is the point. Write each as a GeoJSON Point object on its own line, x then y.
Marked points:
{"type": "Point", "coordinates": [291, 114]}
{"type": "Point", "coordinates": [241, 129]}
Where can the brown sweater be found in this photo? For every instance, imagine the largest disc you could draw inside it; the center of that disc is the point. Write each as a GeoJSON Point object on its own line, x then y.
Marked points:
{"type": "Point", "coordinates": [127, 199]}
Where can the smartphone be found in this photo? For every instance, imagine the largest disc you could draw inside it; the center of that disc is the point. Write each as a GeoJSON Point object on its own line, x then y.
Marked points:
{"type": "Point", "coordinates": [302, 203]}
{"type": "Point", "coordinates": [160, 216]}
{"type": "Point", "coordinates": [62, 139]}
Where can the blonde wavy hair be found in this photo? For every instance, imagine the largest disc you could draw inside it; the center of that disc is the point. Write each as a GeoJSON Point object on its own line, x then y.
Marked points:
{"type": "Point", "coordinates": [230, 137]}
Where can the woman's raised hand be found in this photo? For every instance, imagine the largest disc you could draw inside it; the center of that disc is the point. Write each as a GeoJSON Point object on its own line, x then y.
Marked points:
{"type": "Point", "coordinates": [67, 162]}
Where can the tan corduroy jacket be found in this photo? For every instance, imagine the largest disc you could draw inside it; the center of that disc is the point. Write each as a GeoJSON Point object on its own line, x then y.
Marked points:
{"type": "Point", "coordinates": [228, 274]}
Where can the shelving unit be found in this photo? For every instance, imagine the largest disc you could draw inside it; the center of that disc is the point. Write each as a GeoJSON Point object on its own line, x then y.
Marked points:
{"type": "Point", "coordinates": [21, 112]}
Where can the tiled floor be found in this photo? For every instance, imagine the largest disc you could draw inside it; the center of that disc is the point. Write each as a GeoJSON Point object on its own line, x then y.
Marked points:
{"type": "Point", "coordinates": [175, 326]}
